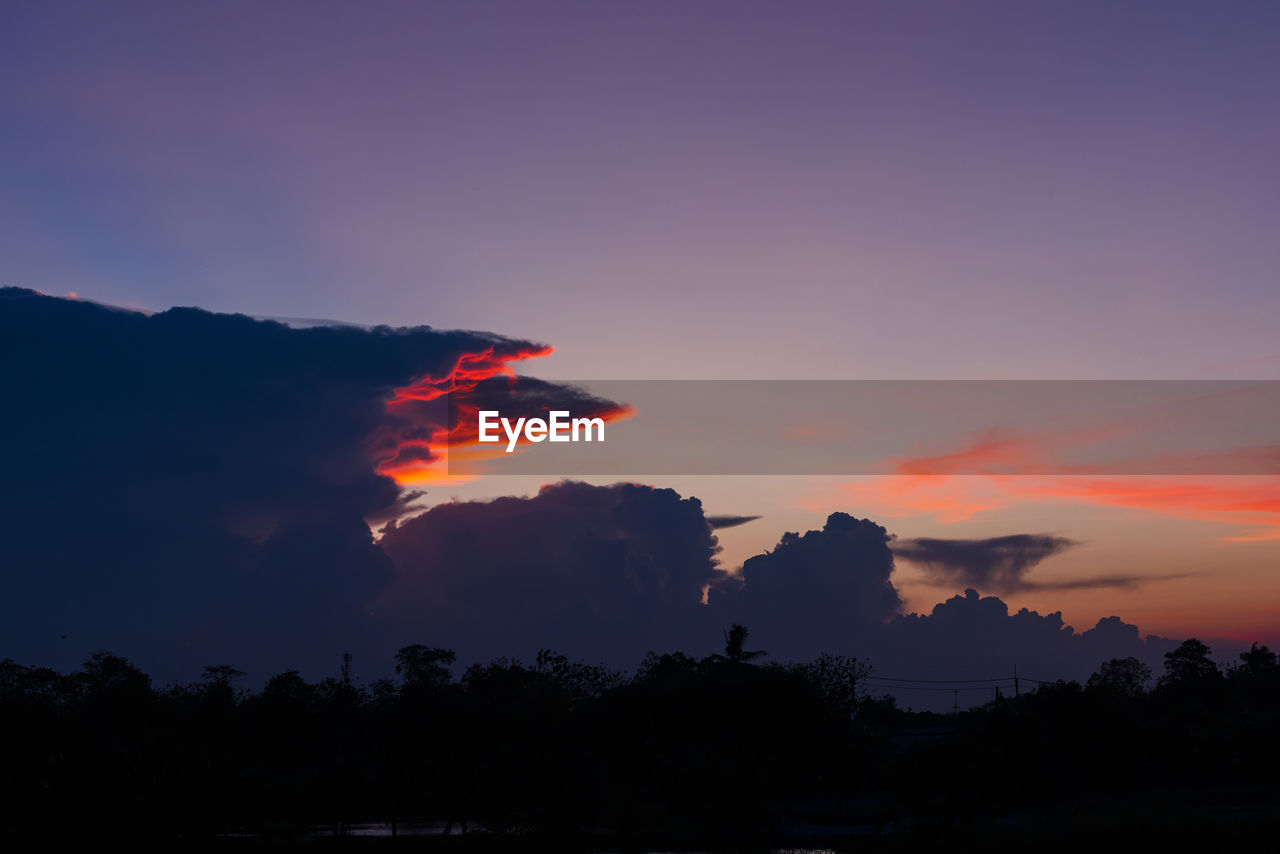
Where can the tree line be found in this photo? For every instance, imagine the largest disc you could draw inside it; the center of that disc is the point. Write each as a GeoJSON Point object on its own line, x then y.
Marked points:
{"type": "Point", "coordinates": [719, 748]}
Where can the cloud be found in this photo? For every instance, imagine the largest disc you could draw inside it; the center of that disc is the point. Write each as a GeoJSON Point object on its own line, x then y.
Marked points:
{"type": "Point", "coordinates": [973, 637]}
{"type": "Point", "coordinates": [813, 592]}
{"type": "Point", "coordinates": [831, 590]}
{"type": "Point", "coordinates": [947, 498]}
{"type": "Point", "coordinates": [598, 571]}
{"type": "Point", "coordinates": [432, 431]}
{"type": "Point", "coordinates": [998, 564]}
{"type": "Point", "coordinates": [718, 522]}
{"type": "Point", "coordinates": [1243, 500]}
{"type": "Point", "coordinates": [188, 488]}
{"type": "Point", "coordinates": [607, 572]}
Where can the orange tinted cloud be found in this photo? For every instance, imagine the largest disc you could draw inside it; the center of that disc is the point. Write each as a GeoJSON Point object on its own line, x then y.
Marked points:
{"type": "Point", "coordinates": [992, 452]}
{"type": "Point", "coordinates": [436, 419]}
{"type": "Point", "coordinates": [1241, 499]}
{"type": "Point", "coordinates": [931, 485]}
{"type": "Point", "coordinates": [1251, 501]}
{"type": "Point", "coordinates": [415, 450]}
{"type": "Point", "coordinates": [949, 498]}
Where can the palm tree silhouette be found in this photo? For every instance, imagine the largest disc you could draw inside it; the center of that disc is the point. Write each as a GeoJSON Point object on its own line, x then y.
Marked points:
{"type": "Point", "coordinates": [734, 639]}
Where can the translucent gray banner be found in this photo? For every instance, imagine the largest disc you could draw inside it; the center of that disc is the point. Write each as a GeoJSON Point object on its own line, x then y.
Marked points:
{"type": "Point", "coordinates": [820, 427]}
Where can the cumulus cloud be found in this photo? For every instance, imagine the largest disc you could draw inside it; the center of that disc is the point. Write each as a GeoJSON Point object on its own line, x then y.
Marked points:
{"type": "Point", "coordinates": [606, 572]}
{"type": "Point", "coordinates": [187, 487]}
{"type": "Point", "coordinates": [974, 637]}
{"type": "Point", "coordinates": [831, 590]}
{"type": "Point", "coordinates": [815, 591]}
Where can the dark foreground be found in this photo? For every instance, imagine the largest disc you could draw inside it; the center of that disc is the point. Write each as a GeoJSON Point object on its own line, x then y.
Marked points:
{"type": "Point", "coordinates": [720, 754]}
{"type": "Point", "coordinates": [1210, 828]}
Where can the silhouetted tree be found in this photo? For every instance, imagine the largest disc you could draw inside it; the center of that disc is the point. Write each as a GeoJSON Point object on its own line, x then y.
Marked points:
{"type": "Point", "coordinates": [837, 678]}
{"type": "Point", "coordinates": [1124, 676]}
{"type": "Point", "coordinates": [666, 666]}
{"type": "Point", "coordinates": [578, 681]}
{"type": "Point", "coordinates": [288, 689]}
{"type": "Point", "coordinates": [1189, 664]}
{"type": "Point", "coordinates": [107, 676]}
{"type": "Point", "coordinates": [219, 684]}
{"type": "Point", "coordinates": [687, 746]}
{"type": "Point", "coordinates": [1257, 683]}
{"type": "Point", "coordinates": [734, 641]}
{"type": "Point", "coordinates": [424, 667]}
{"type": "Point", "coordinates": [1258, 661]}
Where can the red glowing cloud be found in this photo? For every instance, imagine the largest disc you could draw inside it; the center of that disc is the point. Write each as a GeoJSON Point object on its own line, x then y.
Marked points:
{"type": "Point", "coordinates": [469, 370]}
{"type": "Point", "coordinates": [413, 448]}
{"type": "Point", "coordinates": [437, 417]}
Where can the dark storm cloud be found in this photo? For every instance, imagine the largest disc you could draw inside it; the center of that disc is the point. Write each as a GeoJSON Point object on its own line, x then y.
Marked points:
{"type": "Point", "coordinates": [816, 591]}
{"type": "Point", "coordinates": [1093, 582]}
{"type": "Point", "coordinates": [997, 564]}
{"type": "Point", "coordinates": [974, 637]}
{"type": "Point", "coordinates": [718, 522]}
{"type": "Point", "coordinates": [607, 572]}
{"type": "Point", "coordinates": [832, 591]}
{"type": "Point", "coordinates": [189, 486]}
{"type": "Point", "coordinates": [604, 572]}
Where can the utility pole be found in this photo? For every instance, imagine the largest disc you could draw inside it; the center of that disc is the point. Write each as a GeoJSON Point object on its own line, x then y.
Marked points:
{"type": "Point", "coordinates": [1015, 680]}
{"type": "Point", "coordinates": [955, 705]}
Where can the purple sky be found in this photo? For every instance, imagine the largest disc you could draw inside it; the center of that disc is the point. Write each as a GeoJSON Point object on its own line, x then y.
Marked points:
{"type": "Point", "coordinates": [686, 190]}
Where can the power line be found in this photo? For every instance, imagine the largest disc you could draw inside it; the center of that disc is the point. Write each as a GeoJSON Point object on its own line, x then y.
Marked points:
{"type": "Point", "coordinates": [932, 688]}
{"type": "Point", "coordinates": [942, 681]}
{"type": "Point", "coordinates": [987, 682]}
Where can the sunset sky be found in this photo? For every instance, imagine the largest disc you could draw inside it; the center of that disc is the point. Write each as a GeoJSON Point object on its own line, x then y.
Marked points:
{"type": "Point", "coordinates": [720, 191]}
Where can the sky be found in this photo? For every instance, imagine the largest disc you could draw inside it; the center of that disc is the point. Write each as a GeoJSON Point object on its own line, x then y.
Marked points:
{"type": "Point", "coordinates": [711, 190]}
